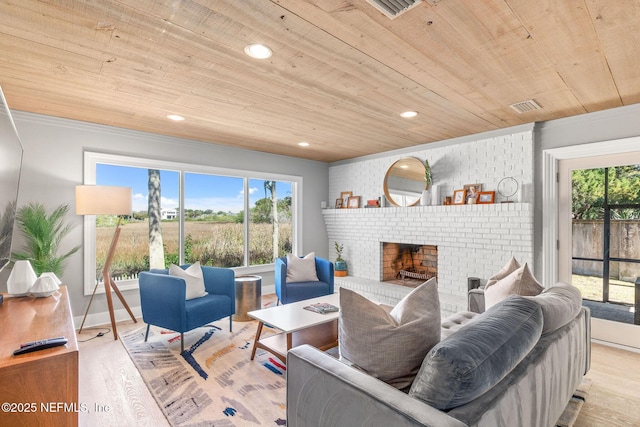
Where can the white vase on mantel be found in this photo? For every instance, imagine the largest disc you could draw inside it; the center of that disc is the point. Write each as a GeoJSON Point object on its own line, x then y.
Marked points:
{"type": "Point", "coordinates": [425, 198]}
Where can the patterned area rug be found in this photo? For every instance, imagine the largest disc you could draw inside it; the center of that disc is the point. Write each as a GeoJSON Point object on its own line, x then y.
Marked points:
{"type": "Point", "coordinates": [213, 382]}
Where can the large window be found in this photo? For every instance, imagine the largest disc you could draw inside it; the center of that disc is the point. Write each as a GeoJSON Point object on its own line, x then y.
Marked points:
{"type": "Point", "coordinates": [220, 217]}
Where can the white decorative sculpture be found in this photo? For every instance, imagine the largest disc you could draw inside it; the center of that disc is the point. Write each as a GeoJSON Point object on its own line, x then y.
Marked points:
{"type": "Point", "coordinates": [46, 285]}
{"type": "Point", "coordinates": [21, 279]}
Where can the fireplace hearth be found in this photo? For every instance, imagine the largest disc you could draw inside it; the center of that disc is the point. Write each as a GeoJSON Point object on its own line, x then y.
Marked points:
{"type": "Point", "coordinates": [408, 264]}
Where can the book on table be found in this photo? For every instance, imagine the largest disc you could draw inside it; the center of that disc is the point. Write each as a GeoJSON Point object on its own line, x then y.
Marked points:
{"type": "Point", "coordinates": [322, 308]}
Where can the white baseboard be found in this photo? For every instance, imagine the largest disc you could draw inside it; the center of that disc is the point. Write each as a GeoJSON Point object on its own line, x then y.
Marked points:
{"type": "Point", "coordinates": [103, 318]}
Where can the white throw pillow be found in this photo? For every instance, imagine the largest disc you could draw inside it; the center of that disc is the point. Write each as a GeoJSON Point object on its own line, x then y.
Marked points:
{"type": "Point", "coordinates": [509, 268]}
{"type": "Point", "coordinates": [389, 345]}
{"type": "Point", "coordinates": [301, 269]}
{"type": "Point", "coordinates": [520, 282]}
{"type": "Point", "coordinates": [193, 277]}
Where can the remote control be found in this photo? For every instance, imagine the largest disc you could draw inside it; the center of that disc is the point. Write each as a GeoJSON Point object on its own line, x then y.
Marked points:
{"type": "Point", "coordinates": [41, 345]}
{"type": "Point", "coordinates": [39, 341]}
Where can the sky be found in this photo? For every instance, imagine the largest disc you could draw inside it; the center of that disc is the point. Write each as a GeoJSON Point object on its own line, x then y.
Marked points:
{"type": "Point", "coordinates": [218, 193]}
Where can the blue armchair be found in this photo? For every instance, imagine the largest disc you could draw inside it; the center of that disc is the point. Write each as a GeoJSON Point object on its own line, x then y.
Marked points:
{"type": "Point", "coordinates": [297, 291]}
{"type": "Point", "coordinates": [164, 304]}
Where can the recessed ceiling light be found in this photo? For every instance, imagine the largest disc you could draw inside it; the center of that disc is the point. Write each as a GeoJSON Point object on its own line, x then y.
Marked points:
{"type": "Point", "coordinates": [175, 117]}
{"type": "Point", "coordinates": [303, 144]}
{"type": "Point", "coordinates": [409, 114]}
{"type": "Point", "coordinates": [258, 51]}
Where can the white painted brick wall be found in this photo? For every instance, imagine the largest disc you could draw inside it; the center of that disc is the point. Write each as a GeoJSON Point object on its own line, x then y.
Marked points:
{"type": "Point", "coordinates": [472, 240]}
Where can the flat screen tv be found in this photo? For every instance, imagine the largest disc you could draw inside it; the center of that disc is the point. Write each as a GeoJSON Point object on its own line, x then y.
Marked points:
{"type": "Point", "coordinates": [10, 164]}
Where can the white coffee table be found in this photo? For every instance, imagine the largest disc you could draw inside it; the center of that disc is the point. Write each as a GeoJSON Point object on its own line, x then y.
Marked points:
{"type": "Point", "coordinates": [298, 326]}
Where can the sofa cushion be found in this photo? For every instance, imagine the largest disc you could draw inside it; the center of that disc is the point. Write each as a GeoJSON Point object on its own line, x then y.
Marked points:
{"type": "Point", "coordinates": [301, 269]}
{"type": "Point", "coordinates": [193, 278]}
{"type": "Point", "coordinates": [475, 358]}
{"type": "Point", "coordinates": [519, 282]}
{"type": "Point", "coordinates": [456, 321]}
{"type": "Point", "coordinates": [389, 345]}
{"type": "Point", "coordinates": [508, 268]}
{"type": "Point", "coordinates": [560, 303]}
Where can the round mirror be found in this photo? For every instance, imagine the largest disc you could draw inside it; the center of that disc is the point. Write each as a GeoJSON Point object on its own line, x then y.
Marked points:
{"type": "Point", "coordinates": [404, 182]}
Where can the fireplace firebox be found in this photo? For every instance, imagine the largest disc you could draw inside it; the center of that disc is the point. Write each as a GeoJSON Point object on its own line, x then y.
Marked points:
{"type": "Point", "coordinates": [408, 264]}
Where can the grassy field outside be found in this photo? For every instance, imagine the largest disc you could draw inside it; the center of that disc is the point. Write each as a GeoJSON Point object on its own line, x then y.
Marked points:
{"type": "Point", "coordinates": [215, 244]}
{"type": "Point", "coordinates": [591, 288]}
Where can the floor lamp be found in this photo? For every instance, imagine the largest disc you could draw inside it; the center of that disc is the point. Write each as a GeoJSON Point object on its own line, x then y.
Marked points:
{"type": "Point", "coordinates": [106, 200]}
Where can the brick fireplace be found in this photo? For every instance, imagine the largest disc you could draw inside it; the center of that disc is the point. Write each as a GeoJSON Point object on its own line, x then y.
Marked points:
{"type": "Point", "coordinates": [405, 264]}
{"type": "Point", "coordinates": [469, 241]}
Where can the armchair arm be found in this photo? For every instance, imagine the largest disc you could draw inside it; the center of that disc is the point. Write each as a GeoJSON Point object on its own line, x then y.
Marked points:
{"type": "Point", "coordinates": [324, 269]}
{"type": "Point", "coordinates": [162, 300]}
{"type": "Point", "coordinates": [476, 300]}
{"type": "Point", "coordinates": [281, 279]}
{"type": "Point", "coordinates": [219, 281]}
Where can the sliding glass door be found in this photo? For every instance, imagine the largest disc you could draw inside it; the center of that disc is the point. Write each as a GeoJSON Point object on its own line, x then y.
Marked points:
{"type": "Point", "coordinates": [606, 239]}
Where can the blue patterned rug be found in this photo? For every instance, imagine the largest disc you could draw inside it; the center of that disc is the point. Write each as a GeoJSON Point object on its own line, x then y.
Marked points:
{"type": "Point", "coordinates": [213, 383]}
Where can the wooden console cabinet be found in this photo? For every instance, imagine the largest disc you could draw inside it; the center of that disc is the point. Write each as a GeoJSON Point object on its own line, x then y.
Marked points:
{"type": "Point", "coordinates": [38, 388]}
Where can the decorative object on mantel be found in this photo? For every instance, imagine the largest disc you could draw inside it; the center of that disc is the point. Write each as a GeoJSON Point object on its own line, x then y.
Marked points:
{"type": "Point", "coordinates": [46, 285]}
{"type": "Point", "coordinates": [340, 266]}
{"type": "Point", "coordinates": [338, 203]}
{"type": "Point", "coordinates": [459, 197]}
{"type": "Point", "coordinates": [21, 279]}
{"type": "Point", "coordinates": [374, 203]}
{"type": "Point", "coordinates": [486, 197]}
{"type": "Point", "coordinates": [354, 202]}
{"type": "Point", "coordinates": [471, 193]}
{"type": "Point", "coordinates": [344, 196]}
{"type": "Point", "coordinates": [507, 187]}
{"type": "Point", "coordinates": [404, 182]}
{"type": "Point", "coordinates": [447, 201]}
{"type": "Point", "coordinates": [426, 193]}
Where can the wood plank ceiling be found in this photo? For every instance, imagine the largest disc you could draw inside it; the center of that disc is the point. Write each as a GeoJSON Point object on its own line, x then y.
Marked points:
{"type": "Point", "coordinates": [340, 74]}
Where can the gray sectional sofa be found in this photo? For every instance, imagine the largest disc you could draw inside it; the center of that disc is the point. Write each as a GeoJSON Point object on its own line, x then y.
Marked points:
{"type": "Point", "coordinates": [517, 364]}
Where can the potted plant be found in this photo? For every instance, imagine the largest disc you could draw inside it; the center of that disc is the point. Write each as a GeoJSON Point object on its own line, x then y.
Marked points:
{"type": "Point", "coordinates": [43, 234]}
{"type": "Point", "coordinates": [424, 200]}
{"type": "Point", "coordinates": [340, 266]}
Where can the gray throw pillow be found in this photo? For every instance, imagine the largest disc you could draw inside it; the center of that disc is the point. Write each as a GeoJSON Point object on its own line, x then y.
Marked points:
{"type": "Point", "coordinates": [560, 303]}
{"type": "Point", "coordinates": [301, 269]}
{"type": "Point", "coordinates": [473, 359]}
{"type": "Point", "coordinates": [389, 345]}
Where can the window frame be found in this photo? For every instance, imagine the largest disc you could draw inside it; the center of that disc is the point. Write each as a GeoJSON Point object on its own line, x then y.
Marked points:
{"type": "Point", "coordinates": [91, 159]}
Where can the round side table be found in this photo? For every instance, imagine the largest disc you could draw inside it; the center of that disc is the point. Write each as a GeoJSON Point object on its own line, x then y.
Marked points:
{"type": "Point", "coordinates": [248, 296]}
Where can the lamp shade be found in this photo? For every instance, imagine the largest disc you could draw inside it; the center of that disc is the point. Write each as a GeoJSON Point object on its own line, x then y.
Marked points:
{"type": "Point", "coordinates": [103, 200]}
{"type": "Point", "coordinates": [45, 285]}
{"type": "Point", "coordinates": [21, 279]}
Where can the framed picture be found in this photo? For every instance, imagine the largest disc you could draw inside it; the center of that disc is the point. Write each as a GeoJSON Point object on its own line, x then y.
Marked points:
{"type": "Point", "coordinates": [345, 198]}
{"type": "Point", "coordinates": [354, 202]}
{"type": "Point", "coordinates": [472, 191]}
{"type": "Point", "coordinates": [486, 197]}
{"type": "Point", "coordinates": [338, 203]}
{"type": "Point", "coordinates": [459, 197]}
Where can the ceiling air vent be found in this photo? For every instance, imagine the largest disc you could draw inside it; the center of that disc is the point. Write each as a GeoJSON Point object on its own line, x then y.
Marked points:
{"type": "Point", "coordinates": [393, 8]}
{"type": "Point", "coordinates": [525, 106]}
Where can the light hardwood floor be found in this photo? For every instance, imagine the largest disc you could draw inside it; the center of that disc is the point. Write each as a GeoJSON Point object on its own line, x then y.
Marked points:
{"type": "Point", "coordinates": [108, 378]}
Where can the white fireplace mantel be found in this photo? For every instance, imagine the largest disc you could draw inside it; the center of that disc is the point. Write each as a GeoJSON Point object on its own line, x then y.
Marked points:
{"type": "Point", "coordinates": [472, 240]}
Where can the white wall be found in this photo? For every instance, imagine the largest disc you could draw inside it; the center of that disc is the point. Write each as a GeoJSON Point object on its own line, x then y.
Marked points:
{"type": "Point", "coordinates": [483, 158]}
{"type": "Point", "coordinates": [472, 240]}
{"type": "Point", "coordinates": [53, 163]}
{"type": "Point", "coordinates": [608, 125]}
